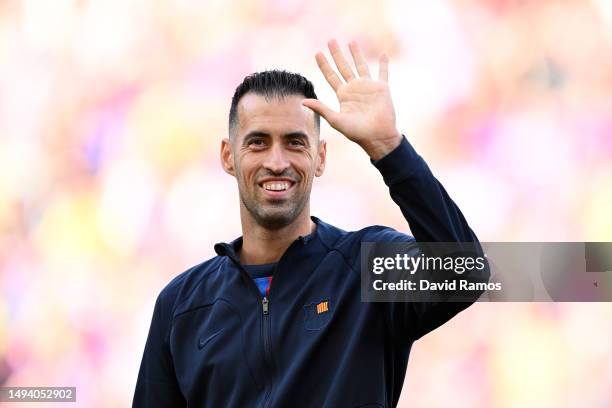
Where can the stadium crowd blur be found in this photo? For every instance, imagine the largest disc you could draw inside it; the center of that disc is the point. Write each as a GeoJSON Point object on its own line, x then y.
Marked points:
{"type": "Point", "coordinates": [111, 116]}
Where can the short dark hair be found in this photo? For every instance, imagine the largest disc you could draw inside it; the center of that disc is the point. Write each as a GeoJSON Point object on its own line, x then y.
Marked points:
{"type": "Point", "coordinates": [272, 84]}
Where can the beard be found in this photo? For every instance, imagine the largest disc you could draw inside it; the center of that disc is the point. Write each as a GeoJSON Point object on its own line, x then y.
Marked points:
{"type": "Point", "coordinates": [274, 215]}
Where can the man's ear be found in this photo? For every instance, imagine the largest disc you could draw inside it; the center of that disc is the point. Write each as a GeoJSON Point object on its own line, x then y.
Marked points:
{"type": "Point", "coordinates": [227, 157]}
{"type": "Point", "coordinates": [321, 158]}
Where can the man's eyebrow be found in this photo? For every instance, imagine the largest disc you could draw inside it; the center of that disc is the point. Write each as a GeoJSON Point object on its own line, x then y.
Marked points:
{"type": "Point", "coordinates": [296, 134]}
{"type": "Point", "coordinates": [256, 133]}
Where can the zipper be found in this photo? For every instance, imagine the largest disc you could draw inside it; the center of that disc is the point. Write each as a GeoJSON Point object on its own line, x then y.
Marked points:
{"type": "Point", "coordinates": [265, 308]}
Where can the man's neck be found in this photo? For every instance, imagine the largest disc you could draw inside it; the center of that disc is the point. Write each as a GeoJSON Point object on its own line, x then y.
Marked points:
{"type": "Point", "coordinates": [261, 245]}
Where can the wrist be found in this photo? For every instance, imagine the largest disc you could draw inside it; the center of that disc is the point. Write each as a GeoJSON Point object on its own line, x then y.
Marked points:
{"type": "Point", "coordinates": [379, 148]}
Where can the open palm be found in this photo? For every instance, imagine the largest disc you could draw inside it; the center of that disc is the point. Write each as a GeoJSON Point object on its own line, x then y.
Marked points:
{"type": "Point", "coordinates": [366, 115]}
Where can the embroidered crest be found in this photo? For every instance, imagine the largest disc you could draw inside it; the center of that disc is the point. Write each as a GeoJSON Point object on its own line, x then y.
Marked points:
{"type": "Point", "coordinates": [317, 314]}
{"type": "Point", "coordinates": [322, 307]}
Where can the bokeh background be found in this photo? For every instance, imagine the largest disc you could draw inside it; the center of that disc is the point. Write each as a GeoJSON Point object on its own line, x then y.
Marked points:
{"type": "Point", "coordinates": [111, 116]}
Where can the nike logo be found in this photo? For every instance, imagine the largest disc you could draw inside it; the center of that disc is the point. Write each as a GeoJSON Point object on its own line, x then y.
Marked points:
{"type": "Point", "coordinates": [203, 342]}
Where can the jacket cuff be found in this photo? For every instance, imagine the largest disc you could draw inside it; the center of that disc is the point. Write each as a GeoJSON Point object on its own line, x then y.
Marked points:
{"type": "Point", "coordinates": [401, 163]}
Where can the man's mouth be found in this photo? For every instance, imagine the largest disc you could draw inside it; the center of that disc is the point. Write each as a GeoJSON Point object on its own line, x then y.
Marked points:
{"type": "Point", "coordinates": [276, 188]}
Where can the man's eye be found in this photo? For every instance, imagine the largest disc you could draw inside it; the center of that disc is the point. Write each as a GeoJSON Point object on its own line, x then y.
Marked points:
{"type": "Point", "coordinates": [296, 143]}
{"type": "Point", "coordinates": [255, 142]}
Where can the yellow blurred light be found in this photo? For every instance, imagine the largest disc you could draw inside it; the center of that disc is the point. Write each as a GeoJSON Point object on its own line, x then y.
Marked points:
{"type": "Point", "coordinates": [165, 129]}
{"type": "Point", "coordinates": [67, 228]}
{"type": "Point", "coordinates": [598, 211]}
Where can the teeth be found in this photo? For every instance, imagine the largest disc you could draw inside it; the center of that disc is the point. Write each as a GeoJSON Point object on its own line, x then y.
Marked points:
{"type": "Point", "coordinates": [276, 186]}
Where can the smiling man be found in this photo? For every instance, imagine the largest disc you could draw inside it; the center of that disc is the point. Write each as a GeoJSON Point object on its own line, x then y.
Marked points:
{"type": "Point", "coordinates": [274, 151]}
{"type": "Point", "coordinates": [276, 318]}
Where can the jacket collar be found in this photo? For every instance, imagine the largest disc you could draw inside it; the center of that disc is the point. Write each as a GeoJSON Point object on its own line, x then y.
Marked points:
{"type": "Point", "coordinates": [325, 233]}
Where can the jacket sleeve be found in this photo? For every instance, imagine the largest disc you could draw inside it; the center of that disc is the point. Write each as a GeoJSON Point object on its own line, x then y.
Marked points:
{"type": "Point", "coordinates": [157, 385]}
{"type": "Point", "coordinates": [433, 217]}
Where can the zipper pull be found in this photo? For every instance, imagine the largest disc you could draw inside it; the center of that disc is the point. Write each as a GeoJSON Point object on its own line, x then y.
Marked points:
{"type": "Point", "coordinates": [264, 304]}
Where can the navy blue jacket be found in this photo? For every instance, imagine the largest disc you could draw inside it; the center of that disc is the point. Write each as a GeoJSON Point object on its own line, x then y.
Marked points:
{"type": "Point", "coordinates": [215, 342]}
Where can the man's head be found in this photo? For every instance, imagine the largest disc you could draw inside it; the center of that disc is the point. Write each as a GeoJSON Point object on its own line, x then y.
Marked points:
{"type": "Point", "coordinates": [273, 148]}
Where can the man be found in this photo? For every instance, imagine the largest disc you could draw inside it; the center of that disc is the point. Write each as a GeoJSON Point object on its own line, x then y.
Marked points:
{"type": "Point", "coordinates": [276, 320]}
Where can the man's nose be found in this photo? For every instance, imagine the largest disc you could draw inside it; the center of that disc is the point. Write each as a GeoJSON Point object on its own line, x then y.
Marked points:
{"type": "Point", "coordinates": [276, 161]}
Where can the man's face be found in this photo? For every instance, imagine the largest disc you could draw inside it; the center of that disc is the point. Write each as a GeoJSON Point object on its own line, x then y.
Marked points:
{"type": "Point", "coordinates": [274, 154]}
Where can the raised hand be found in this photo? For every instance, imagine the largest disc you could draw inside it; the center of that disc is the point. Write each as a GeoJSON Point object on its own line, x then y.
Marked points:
{"type": "Point", "coordinates": [366, 112]}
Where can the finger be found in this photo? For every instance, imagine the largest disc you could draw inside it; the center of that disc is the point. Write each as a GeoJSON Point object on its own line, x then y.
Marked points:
{"type": "Point", "coordinates": [383, 68]}
{"type": "Point", "coordinates": [360, 64]}
{"type": "Point", "coordinates": [328, 72]}
{"type": "Point", "coordinates": [341, 63]}
{"type": "Point", "coordinates": [319, 107]}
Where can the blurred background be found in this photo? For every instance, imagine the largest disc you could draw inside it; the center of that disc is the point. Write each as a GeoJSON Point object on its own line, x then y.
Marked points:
{"type": "Point", "coordinates": [111, 117]}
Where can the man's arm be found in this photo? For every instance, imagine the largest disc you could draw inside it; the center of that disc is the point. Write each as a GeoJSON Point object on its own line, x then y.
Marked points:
{"type": "Point", "coordinates": [367, 117]}
{"type": "Point", "coordinates": [433, 217]}
{"type": "Point", "coordinates": [157, 385]}
{"type": "Point", "coordinates": [429, 210]}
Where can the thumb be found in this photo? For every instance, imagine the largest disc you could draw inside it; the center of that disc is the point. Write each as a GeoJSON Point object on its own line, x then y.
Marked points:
{"type": "Point", "coordinates": [319, 107]}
